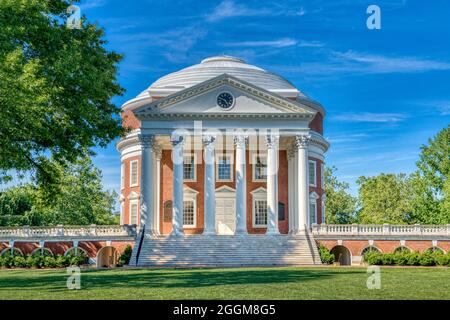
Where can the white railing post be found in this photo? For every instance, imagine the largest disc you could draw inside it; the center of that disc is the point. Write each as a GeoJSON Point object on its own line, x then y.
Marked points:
{"type": "Point", "coordinates": [417, 229]}
{"type": "Point", "coordinates": [93, 230]}
{"type": "Point", "coordinates": [448, 229]}
{"type": "Point", "coordinates": [386, 228]}
{"type": "Point", "coordinates": [26, 231]}
{"type": "Point", "coordinates": [60, 230]}
{"type": "Point", "coordinates": [355, 228]}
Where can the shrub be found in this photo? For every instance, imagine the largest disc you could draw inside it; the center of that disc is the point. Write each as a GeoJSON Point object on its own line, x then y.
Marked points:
{"type": "Point", "coordinates": [443, 260]}
{"type": "Point", "coordinates": [125, 257]}
{"type": "Point", "coordinates": [19, 262]}
{"type": "Point", "coordinates": [38, 261]}
{"type": "Point", "coordinates": [325, 255]}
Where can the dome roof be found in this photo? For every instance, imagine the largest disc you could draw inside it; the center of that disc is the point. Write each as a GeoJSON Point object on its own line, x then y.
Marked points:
{"type": "Point", "coordinates": [214, 66]}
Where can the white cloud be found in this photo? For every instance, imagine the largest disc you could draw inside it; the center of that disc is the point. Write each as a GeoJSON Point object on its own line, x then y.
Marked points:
{"type": "Point", "coordinates": [229, 9]}
{"type": "Point", "coordinates": [370, 117]}
{"type": "Point", "coordinates": [277, 43]}
{"type": "Point", "coordinates": [91, 4]}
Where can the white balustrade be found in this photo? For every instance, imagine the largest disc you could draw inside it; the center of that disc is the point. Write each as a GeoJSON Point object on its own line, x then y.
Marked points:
{"type": "Point", "coordinates": [91, 231]}
{"type": "Point", "coordinates": [380, 230]}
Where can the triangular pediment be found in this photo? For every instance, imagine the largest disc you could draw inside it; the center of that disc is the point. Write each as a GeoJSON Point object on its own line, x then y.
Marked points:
{"type": "Point", "coordinates": [201, 99]}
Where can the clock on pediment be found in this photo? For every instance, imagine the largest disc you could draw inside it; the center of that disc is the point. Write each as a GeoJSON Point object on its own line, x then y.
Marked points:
{"type": "Point", "coordinates": [225, 100]}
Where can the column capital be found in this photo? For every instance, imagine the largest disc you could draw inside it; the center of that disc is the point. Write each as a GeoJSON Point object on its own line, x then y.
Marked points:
{"type": "Point", "coordinates": [177, 140]}
{"type": "Point", "coordinates": [302, 141]}
{"type": "Point", "coordinates": [291, 151]}
{"type": "Point", "coordinates": [146, 140]}
{"type": "Point", "coordinates": [272, 141]}
{"type": "Point", "coordinates": [240, 140]}
{"type": "Point", "coordinates": [209, 140]}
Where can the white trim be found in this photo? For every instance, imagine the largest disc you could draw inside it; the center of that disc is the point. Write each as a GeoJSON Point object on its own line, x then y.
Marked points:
{"type": "Point", "coordinates": [131, 173]}
{"type": "Point", "coordinates": [42, 249]}
{"type": "Point", "coordinates": [9, 249]}
{"type": "Point", "coordinates": [314, 163]}
{"type": "Point", "coordinates": [254, 157]}
{"type": "Point", "coordinates": [122, 208]}
{"type": "Point", "coordinates": [313, 197]}
{"type": "Point", "coordinates": [259, 194]}
{"type": "Point", "coordinates": [322, 175]}
{"type": "Point", "coordinates": [134, 202]}
{"type": "Point", "coordinates": [122, 176]}
{"type": "Point", "coordinates": [194, 154]}
{"type": "Point", "coordinates": [190, 194]}
{"type": "Point", "coordinates": [230, 157]}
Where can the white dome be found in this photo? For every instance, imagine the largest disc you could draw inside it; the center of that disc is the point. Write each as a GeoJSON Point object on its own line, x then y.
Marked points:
{"type": "Point", "coordinates": [215, 66]}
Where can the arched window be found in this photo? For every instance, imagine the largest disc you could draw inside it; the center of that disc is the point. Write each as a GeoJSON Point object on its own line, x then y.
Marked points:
{"type": "Point", "coordinates": [75, 251]}
{"type": "Point", "coordinates": [46, 252]}
{"type": "Point", "coordinates": [369, 249]}
{"type": "Point", "coordinates": [402, 249]}
{"type": "Point", "coordinates": [13, 251]}
{"type": "Point", "coordinates": [434, 249]}
{"type": "Point", "coordinates": [168, 207]}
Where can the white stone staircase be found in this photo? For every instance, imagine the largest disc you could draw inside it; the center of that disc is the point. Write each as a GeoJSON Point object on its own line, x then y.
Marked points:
{"type": "Point", "coordinates": [226, 251]}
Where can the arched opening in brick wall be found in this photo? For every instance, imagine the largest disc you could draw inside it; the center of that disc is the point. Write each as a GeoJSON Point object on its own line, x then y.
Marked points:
{"type": "Point", "coordinates": [342, 255]}
{"type": "Point", "coordinates": [107, 257]}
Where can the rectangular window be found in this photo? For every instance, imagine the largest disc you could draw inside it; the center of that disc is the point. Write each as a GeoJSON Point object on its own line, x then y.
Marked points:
{"type": "Point", "coordinates": [322, 175]}
{"type": "Point", "coordinates": [260, 168]}
{"type": "Point", "coordinates": [134, 212]}
{"type": "Point", "coordinates": [224, 169]}
{"type": "Point", "coordinates": [189, 167]}
{"type": "Point", "coordinates": [312, 213]}
{"type": "Point", "coordinates": [312, 173]}
{"type": "Point", "coordinates": [122, 176]}
{"type": "Point", "coordinates": [189, 213]}
{"type": "Point", "coordinates": [134, 173]}
{"type": "Point", "coordinates": [260, 211]}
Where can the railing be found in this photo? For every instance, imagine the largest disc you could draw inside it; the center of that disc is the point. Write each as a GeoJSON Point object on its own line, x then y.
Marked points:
{"type": "Point", "coordinates": [60, 231]}
{"type": "Point", "coordinates": [380, 230]}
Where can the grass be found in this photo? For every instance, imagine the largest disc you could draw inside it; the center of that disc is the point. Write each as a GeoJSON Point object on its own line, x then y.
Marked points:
{"type": "Point", "coordinates": [236, 283]}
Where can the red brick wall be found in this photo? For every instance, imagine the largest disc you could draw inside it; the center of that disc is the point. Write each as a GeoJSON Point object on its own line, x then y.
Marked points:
{"type": "Point", "coordinates": [128, 189]}
{"type": "Point", "coordinates": [129, 120]}
{"type": "Point", "coordinates": [316, 124]}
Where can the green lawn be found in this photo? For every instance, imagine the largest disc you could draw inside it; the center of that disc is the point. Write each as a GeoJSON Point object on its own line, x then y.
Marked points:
{"type": "Point", "coordinates": [236, 283]}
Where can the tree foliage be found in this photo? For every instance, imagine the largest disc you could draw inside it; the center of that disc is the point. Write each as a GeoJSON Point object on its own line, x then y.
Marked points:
{"type": "Point", "coordinates": [56, 86]}
{"type": "Point", "coordinates": [385, 198]}
{"type": "Point", "coordinates": [431, 181]}
{"type": "Point", "coordinates": [340, 205]}
{"type": "Point", "coordinates": [80, 200]}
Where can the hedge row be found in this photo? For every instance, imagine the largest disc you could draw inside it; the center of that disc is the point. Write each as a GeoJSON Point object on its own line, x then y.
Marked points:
{"type": "Point", "coordinates": [325, 255]}
{"type": "Point", "coordinates": [38, 261]}
{"type": "Point", "coordinates": [408, 259]}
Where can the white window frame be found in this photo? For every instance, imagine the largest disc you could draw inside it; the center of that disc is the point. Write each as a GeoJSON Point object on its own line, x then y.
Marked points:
{"type": "Point", "coordinates": [122, 176]}
{"type": "Point", "coordinates": [131, 173]}
{"type": "Point", "coordinates": [134, 202]}
{"type": "Point", "coordinates": [190, 195]}
{"type": "Point", "coordinates": [122, 207]}
{"type": "Point", "coordinates": [314, 164]}
{"type": "Point", "coordinates": [324, 200]}
{"type": "Point", "coordinates": [259, 194]}
{"type": "Point", "coordinates": [322, 175]}
{"type": "Point", "coordinates": [254, 157]}
{"type": "Point", "coordinates": [313, 197]}
{"type": "Point", "coordinates": [194, 167]}
{"type": "Point", "coordinates": [230, 157]}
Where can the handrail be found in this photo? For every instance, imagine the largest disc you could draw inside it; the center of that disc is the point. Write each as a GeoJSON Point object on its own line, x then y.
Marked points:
{"type": "Point", "coordinates": [141, 240]}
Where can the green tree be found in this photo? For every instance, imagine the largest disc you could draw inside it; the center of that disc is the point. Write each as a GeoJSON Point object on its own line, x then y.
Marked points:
{"type": "Point", "coordinates": [56, 86]}
{"type": "Point", "coordinates": [80, 200]}
{"type": "Point", "coordinates": [431, 181]}
{"type": "Point", "coordinates": [385, 198]}
{"type": "Point", "coordinates": [340, 205]}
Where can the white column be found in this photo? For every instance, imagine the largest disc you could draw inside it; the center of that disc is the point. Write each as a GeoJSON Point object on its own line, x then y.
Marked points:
{"type": "Point", "coordinates": [291, 194]}
{"type": "Point", "coordinates": [157, 150]}
{"type": "Point", "coordinates": [302, 142]}
{"type": "Point", "coordinates": [177, 159]}
{"type": "Point", "coordinates": [147, 185]}
{"type": "Point", "coordinates": [272, 184]}
{"type": "Point", "coordinates": [210, 185]}
{"type": "Point", "coordinates": [241, 184]}
{"type": "Point", "coordinates": [295, 176]}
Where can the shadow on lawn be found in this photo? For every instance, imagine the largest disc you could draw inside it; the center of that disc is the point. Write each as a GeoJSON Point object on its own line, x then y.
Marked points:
{"type": "Point", "coordinates": [166, 278]}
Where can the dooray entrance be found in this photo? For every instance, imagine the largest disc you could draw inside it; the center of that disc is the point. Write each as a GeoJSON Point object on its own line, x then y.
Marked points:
{"type": "Point", "coordinates": [225, 211]}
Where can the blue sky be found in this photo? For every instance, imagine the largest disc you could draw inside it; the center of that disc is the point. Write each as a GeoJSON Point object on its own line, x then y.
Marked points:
{"type": "Point", "coordinates": [385, 91]}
